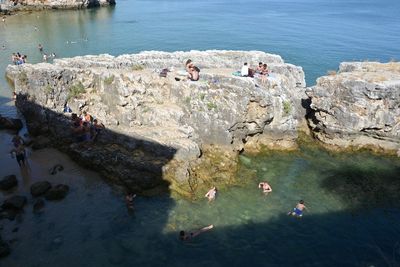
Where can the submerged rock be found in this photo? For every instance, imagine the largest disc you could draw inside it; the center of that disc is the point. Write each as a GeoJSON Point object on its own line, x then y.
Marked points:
{"type": "Point", "coordinates": [8, 182]}
{"type": "Point", "coordinates": [40, 188]}
{"type": "Point", "coordinates": [14, 202]}
{"type": "Point", "coordinates": [58, 192]}
{"type": "Point", "coordinates": [38, 205]}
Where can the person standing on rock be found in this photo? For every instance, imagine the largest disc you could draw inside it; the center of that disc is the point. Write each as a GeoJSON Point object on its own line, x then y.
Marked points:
{"type": "Point", "coordinates": [20, 154]}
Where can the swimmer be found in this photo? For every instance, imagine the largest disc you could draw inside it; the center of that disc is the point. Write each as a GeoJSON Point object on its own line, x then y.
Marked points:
{"type": "Point", "coordinates": [188, 236]}
{"type": "Point", "coordinates": [211, 194]}
{"type": "Point", "coordinates": [298, 210]}
{"type": "Point", "coordinates": [265, 187]}
{"type": "Point", "coordinates": [129, 200]}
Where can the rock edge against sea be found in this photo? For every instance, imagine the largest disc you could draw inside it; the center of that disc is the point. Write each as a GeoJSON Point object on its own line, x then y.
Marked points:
{"type": "Point", "coordinates": [187, 135]}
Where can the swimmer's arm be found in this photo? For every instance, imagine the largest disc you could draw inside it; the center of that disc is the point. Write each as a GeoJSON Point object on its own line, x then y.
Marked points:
{"type": "Point", "coordinates": [202, 230]}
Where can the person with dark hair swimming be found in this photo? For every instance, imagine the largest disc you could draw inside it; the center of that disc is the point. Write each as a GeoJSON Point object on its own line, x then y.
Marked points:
{"type": "Point", "coordinates": [298, 210]}
{"type": "Point", "coordinates": [188, 236]}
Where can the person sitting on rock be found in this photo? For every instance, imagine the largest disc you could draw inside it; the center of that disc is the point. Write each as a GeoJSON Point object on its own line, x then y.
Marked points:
{"type": "Point", "coordinates": [96, 129]}
{"type": "Point", "coordinates": [86, 117]}
{"type": "Point", "coordinates": [264, 73]}
{"type": "Point", "coordinates": [259, 68]}
{"type": "Point", "coordinates": [192, 70]}
{"type": "Point", "coordinates": [265, 187]}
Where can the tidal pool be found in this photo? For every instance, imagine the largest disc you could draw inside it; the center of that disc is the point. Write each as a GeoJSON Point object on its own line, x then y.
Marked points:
{"type": "Point", "coordinates": [352, 219]}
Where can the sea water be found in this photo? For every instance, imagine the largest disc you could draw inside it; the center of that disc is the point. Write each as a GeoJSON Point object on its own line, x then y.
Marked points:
{"type": "Point", "coordinates": [348, 222]}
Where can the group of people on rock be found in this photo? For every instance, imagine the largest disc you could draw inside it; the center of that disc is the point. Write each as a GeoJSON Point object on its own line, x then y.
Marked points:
{"type": "Point", "coordinates": [261, 70]}
{"type": "Point", "coordinates": [18, 59]}
{"type": "Point", "coordinates": [85, 128]}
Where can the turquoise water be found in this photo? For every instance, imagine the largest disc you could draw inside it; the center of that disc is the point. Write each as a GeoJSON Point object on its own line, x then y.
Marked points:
{"type": "Point", "coordinates": [352, 198]}
{"type": "Point", "coordinates": [344, 225]}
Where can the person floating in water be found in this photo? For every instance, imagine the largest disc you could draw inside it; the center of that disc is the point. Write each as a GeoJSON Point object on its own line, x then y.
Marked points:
{"type": "Point", "coordinates": [129, 201]}
{"type": "Point", "coordinates": [188, 236]}
{"type": "Point", "coordinates": [298, 210]}
{"type": "Point", "coordinates": [265, 187]}
{"type": "Point", "coordinates": [20, 154]}
{"type": "Point", "coordinates": [211, 194]}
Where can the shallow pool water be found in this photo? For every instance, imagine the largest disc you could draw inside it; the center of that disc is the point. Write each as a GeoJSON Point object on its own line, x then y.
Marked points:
{"type": "Point", "coordinates": [342, 227]}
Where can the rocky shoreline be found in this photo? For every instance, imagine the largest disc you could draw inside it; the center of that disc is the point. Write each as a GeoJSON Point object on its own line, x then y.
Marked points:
{"type": "Point", "coordinates": [184, 136]}
{"type": "Point", "coordinates": [10, 6]}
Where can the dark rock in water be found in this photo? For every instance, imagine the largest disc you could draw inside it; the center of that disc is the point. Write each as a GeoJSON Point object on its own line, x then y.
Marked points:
{"type": "Point", "coordinates": [9, 214]}
{"type": "Point", "coordinates": [15, 230]}
{"type": "Point", "coordinates": [39, 204]}
{"type": "Point", "coordinates": [40, 188]}
{"type": "Point", "coordinates": [41, 142]}
{"type": "Point", "coordinates": [10, 124]}
{"type": "Point", "coordinates": [4, 249]}
{"type": "Point", "coordinates": [58, 192]}
{"type": "Point", "coordinates": [8, 182]}
{"type": "Point", "coordinates": [14, 202]}
{"type": "Point", "coordinates": [56, 168]}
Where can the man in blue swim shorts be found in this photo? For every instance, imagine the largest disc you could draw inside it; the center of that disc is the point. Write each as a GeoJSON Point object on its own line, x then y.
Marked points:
{"type": "Point", "coordinates": [298, 210]}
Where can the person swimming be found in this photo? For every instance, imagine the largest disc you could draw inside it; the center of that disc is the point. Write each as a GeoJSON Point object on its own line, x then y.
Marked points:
{"type": "Point", "coordinates": [211, 194]}
{"type": "Point", "coordinates": [188, 236]}
{"type": "Point", "coordinates": [298, 210]}
{"type": "Point", "coordinates": [265, 187]}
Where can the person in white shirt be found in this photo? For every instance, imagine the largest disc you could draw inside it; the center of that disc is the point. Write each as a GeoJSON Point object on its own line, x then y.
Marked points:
{"type": "Point", "coordinates": [245, 70]}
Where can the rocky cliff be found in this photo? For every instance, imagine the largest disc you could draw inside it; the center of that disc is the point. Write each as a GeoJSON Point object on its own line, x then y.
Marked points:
{"type": "Point", "coordinates": [16, 5]}
{"type": "Point", "coordinates": [164, 128]}
{"type": "Point", "coordinates": [358, 107]}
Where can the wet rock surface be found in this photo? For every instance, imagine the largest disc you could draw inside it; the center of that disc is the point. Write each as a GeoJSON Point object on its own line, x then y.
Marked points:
{"type": "Point", "coordinates": [40, 188]}
{"type": "Point", "coordinates": [8, 182]}
{"type": "Point", "coordinates": [10, 124]}
{"type": "Point", "coordinates": [14, 202]}
{"type": "Point", "coordinates": [57, 192]}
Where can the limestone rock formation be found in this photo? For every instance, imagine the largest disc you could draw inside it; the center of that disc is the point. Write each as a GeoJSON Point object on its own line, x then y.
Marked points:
{"type": "Point", "coordinates": [162, 128]}
{"type": "Point", "coordinates": [358, 107]}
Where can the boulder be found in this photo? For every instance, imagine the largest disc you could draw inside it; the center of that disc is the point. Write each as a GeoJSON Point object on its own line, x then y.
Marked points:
{"type": "Point", "coordinates": [57, 192]}
{"type": "Point", "coordinates": [10, 124]}
{"type": "Point", "coordinates": [14, 202]}
{"type": "Point", "coordinates": [4, 249]}
{"type": "Point", "coordinates": [40, 188]}
{"type": "Point", "coordinates": [8, 182]}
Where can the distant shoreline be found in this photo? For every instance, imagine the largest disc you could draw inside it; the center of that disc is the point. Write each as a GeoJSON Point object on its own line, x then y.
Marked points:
{"type": "Point", "coordinates": [9, 9]}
